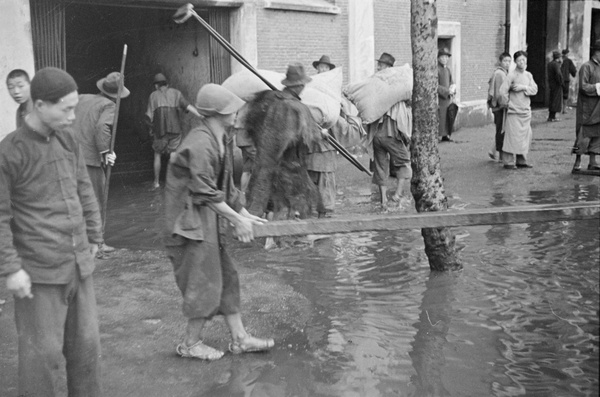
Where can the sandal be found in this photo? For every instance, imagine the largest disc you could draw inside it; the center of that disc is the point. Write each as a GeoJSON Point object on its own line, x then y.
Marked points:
{"type": "Point", "coordinates": [250, 344]}
{"type": "Point", "coordinates": [199, 350]}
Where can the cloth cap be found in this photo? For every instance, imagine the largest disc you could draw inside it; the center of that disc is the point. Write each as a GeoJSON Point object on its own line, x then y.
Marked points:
{"type": "Point", "coordinates": [555, 54]}
{"type": "Point", "coordinates": [295, 75]}
{"type": "Point", "coordinates": [324, 59]}
{"type": "Point", "coordinates": [444, 51]}
{"type": "Point", "coordinates": [159, 78]}
{"type": "Point", "coordinates": [51, 84]}
{"type": "Point", "coordinates": [387, 59]}
{"type": "Point", "coordinates": [214, 99]}
{"type": "Point", "coordinates": [565, 51]}
{"type": "Point", "coordinates": [109, 85]}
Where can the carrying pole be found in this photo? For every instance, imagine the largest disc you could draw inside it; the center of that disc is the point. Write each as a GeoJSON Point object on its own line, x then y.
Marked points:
{"type": "Point", "coordinates": [187, 11]}
{"type": "Point", "coordinates": [114, 133]}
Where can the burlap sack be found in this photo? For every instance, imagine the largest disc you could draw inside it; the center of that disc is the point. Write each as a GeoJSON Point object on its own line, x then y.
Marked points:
{"type": "Point", "coordinates": [375, 95]}
{"type": "Point", "coordinates": [246, 84]}
{"type": "Point", "coordinates": [324, 92]}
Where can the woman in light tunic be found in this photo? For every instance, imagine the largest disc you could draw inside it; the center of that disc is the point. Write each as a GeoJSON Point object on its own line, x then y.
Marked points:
{"type": "Point", "coordinates": [517, 89]}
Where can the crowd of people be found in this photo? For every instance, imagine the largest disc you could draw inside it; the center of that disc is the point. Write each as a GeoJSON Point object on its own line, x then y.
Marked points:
{"type": "Point", "coordinates": [509, 98]}
{"type": "Point", "coordinates": [52, 169]}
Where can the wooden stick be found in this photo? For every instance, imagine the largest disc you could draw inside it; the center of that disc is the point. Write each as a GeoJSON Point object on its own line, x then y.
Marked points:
{"type": "Point", "coordinates": [484, 216]}
{"type": "Point", "coordinates": [114, 133]}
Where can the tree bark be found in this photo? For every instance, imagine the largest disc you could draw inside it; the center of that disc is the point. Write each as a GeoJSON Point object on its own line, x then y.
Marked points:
{"type": "Point", "coordinates": [427, 184]}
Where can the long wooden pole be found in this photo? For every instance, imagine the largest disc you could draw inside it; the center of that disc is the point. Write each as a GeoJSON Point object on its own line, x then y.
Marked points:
{"type": "Point", "coordinates": [187, 11]}
{"type": "Point", "coordinates": [114, 133]}
{"type": "Point", "coordinates": [485, 216]}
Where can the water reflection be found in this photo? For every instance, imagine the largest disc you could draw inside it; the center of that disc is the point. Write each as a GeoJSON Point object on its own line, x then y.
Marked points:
{"type": "Point", "coordinates": [427, 354]}
{"type": "Point", "coordinates": [520, 319]}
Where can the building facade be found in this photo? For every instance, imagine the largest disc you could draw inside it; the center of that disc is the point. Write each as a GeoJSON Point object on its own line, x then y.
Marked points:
{"type": "Point", "coordinates": [86, 38]}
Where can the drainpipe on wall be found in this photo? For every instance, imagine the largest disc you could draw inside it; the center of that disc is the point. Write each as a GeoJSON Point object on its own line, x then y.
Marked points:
{"type": "Point", "coordinates": [507, 26]}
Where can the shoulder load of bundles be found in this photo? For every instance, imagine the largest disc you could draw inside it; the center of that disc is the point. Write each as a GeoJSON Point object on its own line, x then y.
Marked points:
{"type": "Point", "coordinates": [324, 92]}
{"type": "Point", "coordinates": [375, 95]}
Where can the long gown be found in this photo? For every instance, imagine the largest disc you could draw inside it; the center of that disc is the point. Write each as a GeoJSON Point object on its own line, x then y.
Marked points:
{"type": "Point", "coordinates": [517, 136]}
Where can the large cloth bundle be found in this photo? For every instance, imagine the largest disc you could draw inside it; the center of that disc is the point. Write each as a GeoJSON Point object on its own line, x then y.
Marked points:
{"type": "Point", "coordinates": [324, 92]}
{"type": "Point", "coordinates": [246, 84]}
{"type": "Point", "coordinates": [375, 95]}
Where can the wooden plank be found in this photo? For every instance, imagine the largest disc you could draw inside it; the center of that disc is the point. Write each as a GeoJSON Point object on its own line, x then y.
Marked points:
{"type": "Point", "coordinates": [484, 216]}
{"type": "Point", "coordinates": [586, 172]}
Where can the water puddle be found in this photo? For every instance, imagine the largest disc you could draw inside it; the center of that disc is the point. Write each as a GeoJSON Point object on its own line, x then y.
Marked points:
{"type": "Point", "coordinates": [520, 319]}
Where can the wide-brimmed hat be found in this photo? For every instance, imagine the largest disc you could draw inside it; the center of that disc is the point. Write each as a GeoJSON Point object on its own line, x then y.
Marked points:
{"type": "Point", "coordinates": [324, 59]}
{"type": "Point", "coordinates": [387, 59]}
{"type": "Point", "coordinates": [159, 78]}
{"type": "Point", "coordinates": [214, 99]}
{"type": "Point", "coordinates": [555, 54]}
{"type": "Point", "coordinates": [295, 75]}
{"type": "Point", "coordinates": [444, 51]}
{"type": "Point", "coordinates": [109, 85]}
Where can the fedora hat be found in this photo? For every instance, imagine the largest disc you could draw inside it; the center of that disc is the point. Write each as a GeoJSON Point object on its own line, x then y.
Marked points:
{"type": "Point", "coordinates": [555, 54]}
{"type": "Point", "coordinates": [444, 51]}
{"type": "Point", "coordinates": [214, 99]}
{"type": "Point", "coordinates": [387, 59]}
{"type": "Point", "coordinates": [159, 78]}
{"type": "Point", "coordinates": [324, 59]}
{"type": "Point", "coordinates": [295, 75]}
{"type": "Point", "coordinates": [109, 85]}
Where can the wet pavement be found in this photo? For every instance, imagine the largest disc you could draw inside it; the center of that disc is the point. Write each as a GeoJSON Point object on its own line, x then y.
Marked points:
{"type": "Point", "coordinates": [360, 314]}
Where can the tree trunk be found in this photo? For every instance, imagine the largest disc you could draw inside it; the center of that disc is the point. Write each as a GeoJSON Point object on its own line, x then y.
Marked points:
{"type": "Point", "coordinates": [427, 185]}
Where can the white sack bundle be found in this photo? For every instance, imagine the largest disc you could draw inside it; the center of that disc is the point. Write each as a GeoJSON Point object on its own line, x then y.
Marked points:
{"type": "Point", "coordinates": [246, 84]}
{"type": "Point", "coordinates": [375, 95]}
{"type": "Point", "coordinates": [324, 92]}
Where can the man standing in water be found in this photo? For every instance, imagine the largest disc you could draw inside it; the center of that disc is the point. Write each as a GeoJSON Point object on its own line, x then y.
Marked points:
{"type": "Point", "coordinates": [49, 233]}
{"type": "Point", "coordinates": [200, 202]}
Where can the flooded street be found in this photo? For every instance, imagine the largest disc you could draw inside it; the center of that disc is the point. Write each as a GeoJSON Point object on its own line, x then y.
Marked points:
{"type": "Point", "coordinates": [360, 314]}
{"type": "Point", "coordinates": [520, 319]}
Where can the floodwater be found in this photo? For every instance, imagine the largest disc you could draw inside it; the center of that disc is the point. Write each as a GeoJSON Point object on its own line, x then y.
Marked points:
{"type": "Point", "coordinates": [521, 318]}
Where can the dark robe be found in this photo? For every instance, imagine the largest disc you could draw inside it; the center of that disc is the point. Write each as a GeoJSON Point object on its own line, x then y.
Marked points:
{"type": "Point", "coordinates": [444, 98]}
{"type": "Point", "coordinates": [555, 83]}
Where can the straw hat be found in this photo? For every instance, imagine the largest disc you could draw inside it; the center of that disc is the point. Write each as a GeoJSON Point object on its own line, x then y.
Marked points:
{"type": "Point", "coordinates": [109, 85]}
{"type": "Point", "coordinates": [387, 59]}
{"type": "Point", "coordinates": [295, 75]}
{"type": "Point", "coordinates": [324, 59]}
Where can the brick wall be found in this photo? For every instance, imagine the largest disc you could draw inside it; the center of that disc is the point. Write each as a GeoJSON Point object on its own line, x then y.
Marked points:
{"type": "Point", "coordinates": [297, 36]}
{"type": "Point", "coordinates": [482, 40]}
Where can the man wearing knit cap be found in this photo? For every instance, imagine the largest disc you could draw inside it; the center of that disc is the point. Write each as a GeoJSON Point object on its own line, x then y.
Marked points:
{"type": "Point", "coordinates": [201, 202]}
{"type": "Point", "coordinates": [49, 233]}
{"type": "Point", "coordinates": [94, 116]}
{"type": "Point", "coordinates": [163, 115]}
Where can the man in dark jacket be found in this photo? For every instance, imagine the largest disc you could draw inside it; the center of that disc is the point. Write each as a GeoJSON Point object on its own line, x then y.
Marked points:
{"type": "Point", "coordinates": [568, 70]}
{"type": "Point", "coordinates": [555, 83]}
{"type": "Point", "coordinates": [49, 233]}
{"type": "Point", "coordinates": [94, 116]}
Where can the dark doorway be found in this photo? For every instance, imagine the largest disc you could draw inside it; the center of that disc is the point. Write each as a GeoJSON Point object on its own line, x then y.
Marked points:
{"type": "Point", "coordinates": [595, 33]}
{"type": "Point", "coordinates": [95, 36]}
{"type": "Point", "coordinates": [537, 16]}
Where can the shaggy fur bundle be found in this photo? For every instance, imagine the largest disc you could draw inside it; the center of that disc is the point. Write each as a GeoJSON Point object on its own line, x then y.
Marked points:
{"type": "Point", "coordinates": [282, 128]}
